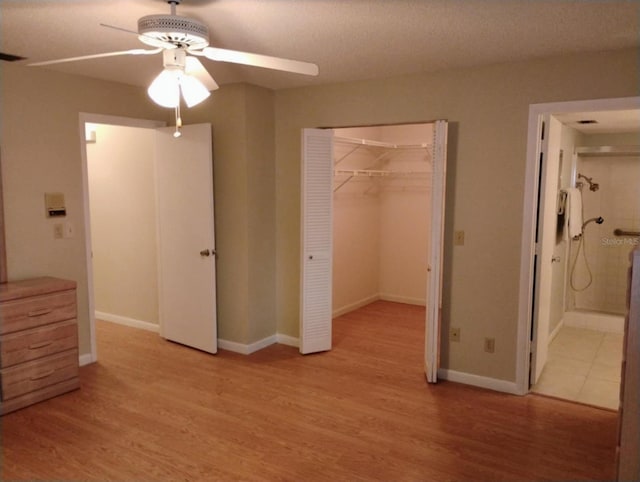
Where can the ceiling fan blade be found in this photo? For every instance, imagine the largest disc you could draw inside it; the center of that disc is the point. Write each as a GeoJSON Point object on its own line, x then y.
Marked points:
{"type": "Point", "coordinates": [97, 56]}
{"type": "Point", "coordinates": [156, 42]}
{"type": "Point", "coordinates": [258, 60]}
{"type": "Point", "coordinates": [194, 67]}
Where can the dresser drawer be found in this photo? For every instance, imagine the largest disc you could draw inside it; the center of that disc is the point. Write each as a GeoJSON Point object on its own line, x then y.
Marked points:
{"type": "Point", "coordinates": [37, 374]}
{"type": "Point", "coordinates": [36, 311]}
{"type": "Point", "coordinates": [35, 343]}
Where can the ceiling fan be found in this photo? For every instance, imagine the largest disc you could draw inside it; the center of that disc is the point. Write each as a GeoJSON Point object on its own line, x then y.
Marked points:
{"type": "Point", "coordinates": [181, 40]}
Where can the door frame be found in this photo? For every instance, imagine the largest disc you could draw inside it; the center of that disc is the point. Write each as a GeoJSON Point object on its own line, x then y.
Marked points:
{"type": "Point", "coordinates": [435, 261]}
{"type": "Point", "coordinates": [84, 119]}
{"type": "Point", "coordinates": [527, 300]}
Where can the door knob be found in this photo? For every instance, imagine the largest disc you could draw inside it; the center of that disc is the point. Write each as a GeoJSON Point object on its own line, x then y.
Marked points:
{"type": "Point", "coordinates": [205, 252]}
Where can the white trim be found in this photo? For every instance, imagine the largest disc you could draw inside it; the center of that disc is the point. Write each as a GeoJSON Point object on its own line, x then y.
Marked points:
{"type": "Point", "coordinates": [380, 296]}
{"type": "Point", "coordinates": [555, 331]}
{"type": "Point", "coordinates": [287, 340]}
{"type": "Point", "coordinates": [86, 359]}
{"type": "Point", "coordinates": [83, 119]}
{"type": "Point", "coordinates": [403, 299]}
{"type": "Point", "coordinates": [233, 346]}
{"type": "Point", "coordinates": [525, 299]}
{"type": "Point", "coordinates": [479, 381]}
{"type": "Point", "coordinates": [354, 306]}
{"type": "Point", "coordinates": [245, 349]}
{"type": "Point", "coordinates": [123, 320]}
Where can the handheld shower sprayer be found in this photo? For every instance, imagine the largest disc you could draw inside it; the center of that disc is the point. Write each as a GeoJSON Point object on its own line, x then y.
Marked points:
{"type": "Point", "coordinates": [582, 246]}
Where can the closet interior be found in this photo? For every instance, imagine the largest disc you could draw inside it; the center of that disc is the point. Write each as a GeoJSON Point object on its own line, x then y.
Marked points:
{"type": "Point", "coordinates": [381, 215]}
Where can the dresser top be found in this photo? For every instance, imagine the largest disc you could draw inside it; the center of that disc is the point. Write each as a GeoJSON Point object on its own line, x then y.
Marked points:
{"type": "Point", "coordinates": [33, 287]}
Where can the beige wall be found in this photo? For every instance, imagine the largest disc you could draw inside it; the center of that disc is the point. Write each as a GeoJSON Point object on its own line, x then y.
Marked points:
{"type": "Point", "coordinates": [122, 200]}
{"type": "Point", "coordinates": [242, 117]}
{"type": "Point", "coordinates": [487, 108]}
{"type": "Point", "coordinates": [356, 225]}
{"type": "Point", "coordinates": [405, 217]}
{"type": "Point", "coordinates": [41, 153]}
{"type": "Point", "coordinates": [381, 224]}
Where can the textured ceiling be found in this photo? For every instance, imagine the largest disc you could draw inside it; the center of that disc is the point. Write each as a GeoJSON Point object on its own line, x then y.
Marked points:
{"type": "Point", "coordinates": [348, 39]}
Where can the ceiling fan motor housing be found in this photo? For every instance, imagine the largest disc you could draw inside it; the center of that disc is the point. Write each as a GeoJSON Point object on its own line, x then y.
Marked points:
{"type": "Point", "coordinates": [157, 30]}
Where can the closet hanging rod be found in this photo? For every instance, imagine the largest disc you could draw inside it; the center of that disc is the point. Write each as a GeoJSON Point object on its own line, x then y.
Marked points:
{"type": "Point", "coordinates": [363, 172]}
{"type": "Point", "coordinates": [376, 173]}
{"type": "Point", "coordinates": [388, 145]}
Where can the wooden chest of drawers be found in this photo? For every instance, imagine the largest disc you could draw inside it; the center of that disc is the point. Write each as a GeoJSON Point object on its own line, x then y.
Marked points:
{"type": "Point", "coordinates": [38, 341]}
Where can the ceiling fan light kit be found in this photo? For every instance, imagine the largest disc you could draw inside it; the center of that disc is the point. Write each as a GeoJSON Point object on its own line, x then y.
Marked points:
{"type": "Point", "coordinates": [166, 88]}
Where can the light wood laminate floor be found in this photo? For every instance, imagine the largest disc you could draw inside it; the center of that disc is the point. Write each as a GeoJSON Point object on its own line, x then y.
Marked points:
{"type": "Point", "coordinates": [154, 410]}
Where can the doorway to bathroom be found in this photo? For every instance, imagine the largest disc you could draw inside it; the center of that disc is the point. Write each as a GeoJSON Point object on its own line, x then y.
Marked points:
{"type": "Point", "coordinates": [588, 221]}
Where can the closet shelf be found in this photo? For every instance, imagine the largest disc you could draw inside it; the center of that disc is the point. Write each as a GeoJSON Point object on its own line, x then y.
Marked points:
{"type": "Point", "coordinates": [387, 148]}
{"type": "Point", "coordinates": [382, 151]}
{"type": "Point", "coordinates": [386, 145]}
{"type": "Point", "coordinates": [351, 173]}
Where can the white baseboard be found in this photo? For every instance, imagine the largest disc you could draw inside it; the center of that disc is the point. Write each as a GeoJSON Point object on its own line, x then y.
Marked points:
{"type": "Point", "coordinates": [287, 340]}
{"type": "Point", "coordinates": [245, 349]}
{"type": "Point", "coordinates": [123, 320]}
{"type": "Point", "coordinates": [479, 381]}
{"type": "Point", "coordinates": [85, 359]}
{"type": "Point", "coordinates": [555, 331]}
{"type": "Point", "coordinates": [402, 299]}
{"type": "Point", "coordinates": [354, 306]}
{"type": "Point", "coordinates": [380, 296]}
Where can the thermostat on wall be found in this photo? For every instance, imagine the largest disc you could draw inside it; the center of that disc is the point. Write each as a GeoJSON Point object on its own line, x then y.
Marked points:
{"type": "Point", "coordinates": [54, 204]}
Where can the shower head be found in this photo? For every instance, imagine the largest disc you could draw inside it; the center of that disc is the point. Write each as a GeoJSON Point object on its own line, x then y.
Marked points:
{"type": "Point", "coordinates": [593, 186]}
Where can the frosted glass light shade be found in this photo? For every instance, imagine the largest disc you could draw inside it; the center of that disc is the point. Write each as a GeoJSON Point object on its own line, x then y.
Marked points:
{"type": "Point", "coordinates": [165, 89]}
{"type": "Point", "coordinates": [193, 90]}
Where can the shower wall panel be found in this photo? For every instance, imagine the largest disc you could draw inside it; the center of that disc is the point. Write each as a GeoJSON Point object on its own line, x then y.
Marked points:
{"type": "Point", "coordinates": [618, 202]}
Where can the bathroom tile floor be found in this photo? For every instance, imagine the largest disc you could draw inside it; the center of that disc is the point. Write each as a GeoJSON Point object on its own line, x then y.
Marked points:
{"type": "Point", "coordinates": [583, 366]}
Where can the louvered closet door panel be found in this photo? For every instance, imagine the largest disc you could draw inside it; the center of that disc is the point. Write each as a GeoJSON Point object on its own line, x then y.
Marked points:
{"type": "Point", "coordinates": [434, 278]}
{"type": "Point", "coordinates": [317, 233]}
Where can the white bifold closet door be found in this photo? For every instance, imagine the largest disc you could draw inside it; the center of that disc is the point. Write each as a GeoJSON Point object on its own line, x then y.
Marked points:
{"type": "Point", "coordinates": [436, 250]}
{"type": "Point", "coordinates": [317, 239]}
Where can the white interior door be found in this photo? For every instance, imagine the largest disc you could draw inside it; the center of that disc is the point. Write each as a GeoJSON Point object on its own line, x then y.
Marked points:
{"type": "Point", "coordinates": [549, 148]}
{"type": "Point", "coordinates": [317, 239]}
{"type": "Point", "coordinates": [186, 242]}
{"type": "Point", "coordinates": [435, 255]}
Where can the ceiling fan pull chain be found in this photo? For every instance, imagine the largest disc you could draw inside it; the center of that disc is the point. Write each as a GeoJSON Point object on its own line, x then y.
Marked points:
{"type": "Point", "coordinates": [177, 133]}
